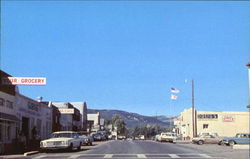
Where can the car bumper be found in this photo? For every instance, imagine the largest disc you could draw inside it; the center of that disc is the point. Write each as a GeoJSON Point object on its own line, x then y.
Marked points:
{"type": "Point", "coordinates": [54, 147]}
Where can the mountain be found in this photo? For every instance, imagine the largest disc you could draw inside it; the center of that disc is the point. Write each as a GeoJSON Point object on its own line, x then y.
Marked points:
{"type": "Point", "coordinates": [133, 119]}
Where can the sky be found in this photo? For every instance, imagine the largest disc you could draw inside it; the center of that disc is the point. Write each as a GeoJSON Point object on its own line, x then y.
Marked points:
{"type": "Point", "coordinates": [127, 55]}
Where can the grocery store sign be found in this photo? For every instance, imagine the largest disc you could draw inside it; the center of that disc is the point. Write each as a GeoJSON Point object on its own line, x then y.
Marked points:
{"type": "Point", "coordinates": [66, 111]}
{"type": "Point", "coordinates": [207, 116]}
{"type": "Point", "coordinates": [24, 81]}
{"type": "Point", "coordinates": [228, 118]}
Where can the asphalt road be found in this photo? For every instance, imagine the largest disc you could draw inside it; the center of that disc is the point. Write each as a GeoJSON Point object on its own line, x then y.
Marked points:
{"type": "Point", "coordinates": [140, 149]}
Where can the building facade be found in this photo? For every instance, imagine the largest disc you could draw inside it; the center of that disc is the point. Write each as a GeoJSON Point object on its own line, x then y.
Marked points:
{"type": "Point", "coordinates": [222, 123]}
{"type": "Point", "coordinates": [33, 114]}
{"type": "Point", "coordinates": [71, 117]}
{"type": "Point", "coordinates": [93, 122]}
{"type": "Point", "coordinates": [82, 107]}
{"type": "Point", "coordinates": [8, 119]}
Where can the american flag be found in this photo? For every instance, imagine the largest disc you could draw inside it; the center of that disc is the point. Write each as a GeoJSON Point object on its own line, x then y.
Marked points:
{"type": "Point", "coordinates": [174, 90]}
{"type": "Point", "coordinates": [174, 97]}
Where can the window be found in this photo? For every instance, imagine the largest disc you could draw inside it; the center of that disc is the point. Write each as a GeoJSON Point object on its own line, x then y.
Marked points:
{"type": "Point", "coordinates": [9, 104]}
{"type": "Point", "coordinates": [1, 102]}
{"type": "Point", "coordinates": [205, 126]}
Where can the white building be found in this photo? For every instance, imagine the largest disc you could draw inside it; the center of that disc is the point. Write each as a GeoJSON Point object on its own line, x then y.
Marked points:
{"type": "Point", "coordinates": [33, 114]}
{"type": "Point", "coordinates": [94, 122]}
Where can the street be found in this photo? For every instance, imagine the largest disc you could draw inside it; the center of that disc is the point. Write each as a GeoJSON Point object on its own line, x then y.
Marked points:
{"type": "Point", "coordinates": [120, 149]}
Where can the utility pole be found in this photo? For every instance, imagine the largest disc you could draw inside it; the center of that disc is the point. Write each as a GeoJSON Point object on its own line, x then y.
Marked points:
{"type": "Point", "coordinates": [193, 113]}
{"type": "Point", "coordinates": [248, 65]}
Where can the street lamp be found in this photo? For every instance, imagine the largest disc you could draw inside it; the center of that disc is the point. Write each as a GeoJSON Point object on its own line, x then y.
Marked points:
{"type": "Point", "coordinates": [248, 65]}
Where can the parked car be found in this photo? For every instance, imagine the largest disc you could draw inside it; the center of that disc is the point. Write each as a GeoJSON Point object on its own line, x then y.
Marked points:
{"type": "Point", "coordinates": [121, 137]}
{"type": "Point", "coordinates": [99, 137]}
{"type": "Point", "coordinates": [167, 136]}
{"type": "Point", "coordinates": [240, 138]}
{"type": "Point", "coordinates": [207, 139]}
{"type": "Point", "coordinates": [157, 137]}
{"type": "Point", "coordinates": [87, 139]}
{"type": "Point", "coordinates": [141, 137]}
{"type": "Point", "coordinates": [62, 140]}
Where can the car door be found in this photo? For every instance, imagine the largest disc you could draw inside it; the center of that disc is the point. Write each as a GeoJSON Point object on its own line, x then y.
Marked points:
{"type": "Point", "coordinates": [75, 140]}
{"type": "Point", "coordinates": [214, 139]}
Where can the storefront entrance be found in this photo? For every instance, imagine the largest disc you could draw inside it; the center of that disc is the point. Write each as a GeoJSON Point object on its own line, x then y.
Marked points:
{"type": "Point", "coordinates": [25, 126]}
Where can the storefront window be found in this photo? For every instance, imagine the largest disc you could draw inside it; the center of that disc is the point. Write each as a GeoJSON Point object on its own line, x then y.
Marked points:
{"type": "Point", "coordinates": [8, 132]}
{"type": "Point", "coordinates": [2, 102]}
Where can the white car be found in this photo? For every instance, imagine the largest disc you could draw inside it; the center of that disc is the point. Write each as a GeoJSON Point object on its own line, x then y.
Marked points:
{"type": "Point", "coordinates": [62, 140]}
{"type": "Point", "coordinates": [168, 137]}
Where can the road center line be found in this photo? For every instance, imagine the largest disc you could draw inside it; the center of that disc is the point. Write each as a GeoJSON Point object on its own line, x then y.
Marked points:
{"type": "Point", "coordinates": [108, 156]}
{"type": "Point", "coordinates": [205, 155]}
{"type": "Point", "coordinates": [74, 156]}
{"type": "Point", "coordinates": [174, 156]}
{"type": "Point", "coordinates": [141, 156]}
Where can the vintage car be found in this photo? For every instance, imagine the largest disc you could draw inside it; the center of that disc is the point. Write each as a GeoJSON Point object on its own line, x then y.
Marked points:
{"type": "Point", "coordinates": [206, 139]}
{"type": "Point", "coordinates": [87, 139]}
{"type": "Point", "coordinates": [167, 136]}
{"type": "Point", "coordinates": [240, 138]}
{"type": "Point", "coordinates": [62, 140]}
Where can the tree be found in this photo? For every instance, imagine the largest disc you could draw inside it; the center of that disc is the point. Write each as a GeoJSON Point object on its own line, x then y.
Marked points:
{"type": "Point", "coordinates": [119, 123]}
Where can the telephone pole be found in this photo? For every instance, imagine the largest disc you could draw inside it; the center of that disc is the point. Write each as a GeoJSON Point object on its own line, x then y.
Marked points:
{"type": "Point", "coordinates": [193, 111]}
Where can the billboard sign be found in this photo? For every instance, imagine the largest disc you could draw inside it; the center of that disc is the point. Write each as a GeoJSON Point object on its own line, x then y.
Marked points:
{"type": "Point", "coordinates": [66, 111]}
{"type": "Point", "coordinates": [228, 118]}
{"type": "Point", "coordinates": [24, 81]}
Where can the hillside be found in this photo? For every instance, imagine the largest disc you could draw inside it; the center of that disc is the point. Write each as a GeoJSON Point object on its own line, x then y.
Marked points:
{"type": "Point", "coordinates": [132, 119]}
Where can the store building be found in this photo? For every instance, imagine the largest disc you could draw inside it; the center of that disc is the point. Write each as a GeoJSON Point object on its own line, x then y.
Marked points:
{"type": "Point", "coordinates": [71, 117]}
{"type": "Point", "coordinates": [222, 123]}
{"type": "Point", "coordinates": [33, 114]}
{"type": "Point", "coordinates": [82, 107]}
{"type": "Point", "coordinates": [56, 115]}
{"type": "Point", "coordinates": [93, 122]}
{"type": "Point", "coordinates": [8, 119]}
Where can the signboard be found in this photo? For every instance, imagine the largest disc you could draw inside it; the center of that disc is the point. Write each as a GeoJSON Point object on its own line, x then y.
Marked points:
{"type": "Point", "coordinates": [228, 118]}
{"type": "Point", "coordinates": [207, 116]}
{"type": "Point", "coordinates": [66, 111]}
{"type": "Point", "coordinates": [24, 81]}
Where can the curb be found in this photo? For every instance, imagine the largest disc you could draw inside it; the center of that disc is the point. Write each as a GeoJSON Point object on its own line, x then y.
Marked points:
{"type": "Point", "coordinates": [30, 153]}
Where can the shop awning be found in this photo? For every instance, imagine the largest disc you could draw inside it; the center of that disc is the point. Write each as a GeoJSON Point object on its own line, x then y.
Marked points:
{"type": "Point", "coordinates": [8, 117]}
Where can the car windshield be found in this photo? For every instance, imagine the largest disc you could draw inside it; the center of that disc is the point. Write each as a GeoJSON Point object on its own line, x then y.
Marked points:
{"type": "Point", "coordinates": [58, 135]}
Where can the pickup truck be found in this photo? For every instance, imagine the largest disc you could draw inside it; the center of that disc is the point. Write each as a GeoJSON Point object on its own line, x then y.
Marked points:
{"type": "Point", "coordinates": [240, 138]}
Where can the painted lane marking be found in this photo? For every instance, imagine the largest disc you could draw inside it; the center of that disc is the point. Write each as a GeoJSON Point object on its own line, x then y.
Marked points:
{"type": "Point", "coordinates": [108, 156]}
{"type": "Point", "coordinates": [141, 156]}
{"type": "Point", "coordinates": [74, 156]}
{"type": "Point", "coordinates": [205, 155]}
{"type": "Point", "coordinates": [174, 156]}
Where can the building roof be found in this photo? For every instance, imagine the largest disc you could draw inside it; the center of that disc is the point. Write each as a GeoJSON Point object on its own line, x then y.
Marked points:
{"type": "Point", "coordinates": [248, 64]}
{"type": "Point", "coordinates": [248, 106]}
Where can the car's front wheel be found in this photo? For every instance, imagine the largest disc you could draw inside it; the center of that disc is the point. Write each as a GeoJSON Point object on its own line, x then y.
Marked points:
{"type": "Point", "coordinates": [79, 147]}
{"type": "Point", "coordinates": [71, 148]}
{"type": "Point", "coordinates": [200, 142]}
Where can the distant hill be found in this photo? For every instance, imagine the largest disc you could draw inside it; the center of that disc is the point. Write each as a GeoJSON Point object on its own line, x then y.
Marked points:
{"type": "Point", "coordinates": [133, 119]}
